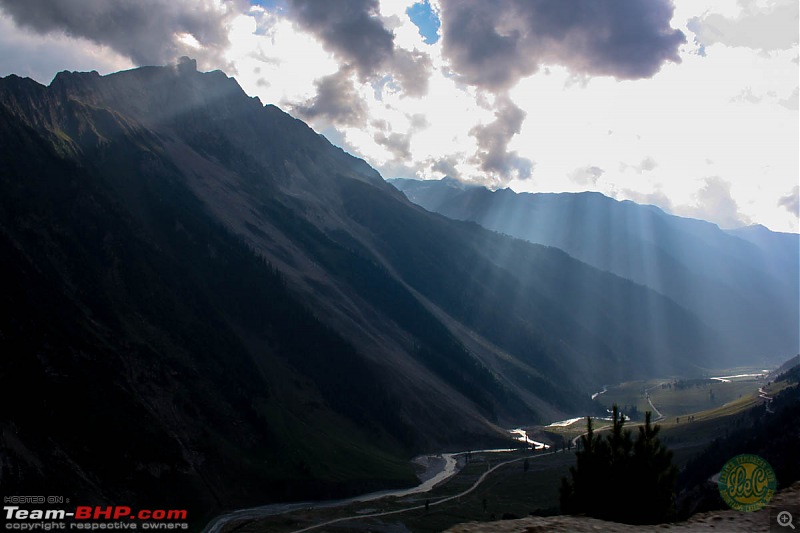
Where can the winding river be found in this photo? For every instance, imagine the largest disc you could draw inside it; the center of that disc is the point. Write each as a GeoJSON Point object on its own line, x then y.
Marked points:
{"type": "Point", "coordinates": [440, 467]}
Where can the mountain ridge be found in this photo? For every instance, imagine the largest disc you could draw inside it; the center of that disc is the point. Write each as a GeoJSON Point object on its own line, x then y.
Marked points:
{"type": "Point", "coordinates": [273, 319]}
{"type": "Point", "coordinates": [744, 288]}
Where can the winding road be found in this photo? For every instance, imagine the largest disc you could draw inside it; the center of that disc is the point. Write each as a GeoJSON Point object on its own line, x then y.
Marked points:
{"type": "Point", "coordinates": [431, 504]}
{"type": "Point", "coordinates": [448, 470]}
{"type": "Point", "coordinates": [659, 416]}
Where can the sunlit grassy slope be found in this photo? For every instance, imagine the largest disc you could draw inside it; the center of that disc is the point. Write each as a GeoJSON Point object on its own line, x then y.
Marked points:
{"type": "Point", "coordinates": [675, 398]}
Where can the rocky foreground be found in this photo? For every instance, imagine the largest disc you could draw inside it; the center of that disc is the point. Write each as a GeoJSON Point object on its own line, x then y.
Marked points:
{"type": "Point", "coordinates": [728, 521]}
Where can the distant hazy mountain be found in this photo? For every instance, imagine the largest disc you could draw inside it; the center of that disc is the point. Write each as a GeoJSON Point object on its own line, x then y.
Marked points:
{"type": "Point", "coordinates": [743, 283]}
{"type": "Point", "coordinates": [206, 302]}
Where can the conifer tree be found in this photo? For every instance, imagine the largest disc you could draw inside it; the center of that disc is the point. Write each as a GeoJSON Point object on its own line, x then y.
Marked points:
{"type": "Point", "coordinates": [655, 476]}
{"type": "Point", "coordinates": [618, 479]}
{"type": "Point", "coordinates": [584, 493]}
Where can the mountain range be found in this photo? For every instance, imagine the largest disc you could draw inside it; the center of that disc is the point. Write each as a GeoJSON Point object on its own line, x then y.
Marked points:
{"type": "Point", "coordinates": [742, 283]}
{"type": "Point", "coordinates": [208, 303]}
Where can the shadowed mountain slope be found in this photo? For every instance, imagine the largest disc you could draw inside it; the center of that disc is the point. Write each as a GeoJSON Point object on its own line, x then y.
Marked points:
{"type": "Point", "coordinates": [235, 311]}
{"type": "Point", "coordinates": [743, 283]}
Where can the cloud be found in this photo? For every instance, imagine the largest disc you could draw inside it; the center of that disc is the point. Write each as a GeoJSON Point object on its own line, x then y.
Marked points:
{"type": "Point", "coordinates": [747, 96]}
{"type": "Point", "coordinates": [792, 101]}
{"type": "Point", "coordinates": [791, 202]}
{"type": "Point", "coordinates": [647, 164]}
{"type": "Point", "coordinates": [397, 143]}
{"type": "Point", "coordinates": [350, 29]}
{"type": "Point", "coordinates": [418, 121]}
{"type": "Point", "coordinates": [447, 166]}
{"type": "Point", "coordinates": [411, 69]}
{"type": "Point", "coordinates": [656, 198]}
{"type": "Point", "coordinates": [400, 169]}
{"type": "Point", "coordinates": [26, 53]}
{"type": "Point", "coordinates": [493, 156]}
{"type": "Point", "coordinates": [715, 203]}
{"type": "Point", "coordinates": [494, 43]}
{"type": "Point", "coordinates": [771, 28]}
{"type": "Point", "coordinates": [586, 175]}
{"type": "Point", "coordinates": [147, 31]}
{"type": "Point", "coordinates": [356, 34]}
{"type": "Point", "coordinates": [336, 101]}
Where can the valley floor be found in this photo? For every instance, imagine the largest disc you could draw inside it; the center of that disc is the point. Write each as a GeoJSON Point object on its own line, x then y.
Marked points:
{"type": "Point", "coordinates": [517, 483]}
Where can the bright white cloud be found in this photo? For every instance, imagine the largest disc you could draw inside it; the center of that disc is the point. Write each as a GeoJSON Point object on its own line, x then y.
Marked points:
{"type": "Point", "coordinates": [274, 60]}
{"type": "Point", "coordinates": [714, 201]}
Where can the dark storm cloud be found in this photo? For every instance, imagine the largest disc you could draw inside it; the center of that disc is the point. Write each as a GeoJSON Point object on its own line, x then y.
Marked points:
{"type": "Point", "coordinates": [336, 101]}
{"type": "Point", "coordinates": [493, 138]}
{"type": "Point", "coordinates": [351, 29]}
{"type": "Point", "coordinates": [494, 43]}
{"type": "Point", "coordinates": [143, 30]}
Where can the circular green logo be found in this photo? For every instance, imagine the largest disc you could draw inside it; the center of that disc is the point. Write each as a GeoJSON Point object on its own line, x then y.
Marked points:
{"type": "Point", "coordinates": [747, 483]}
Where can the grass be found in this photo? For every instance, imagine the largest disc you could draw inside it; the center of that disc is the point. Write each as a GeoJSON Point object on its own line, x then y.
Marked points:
{"type": "Point", "coordinates": [577, 428]}
{"type": "Point", "coordinates": [511, 491]}
{"type": "Point", "coordinates": [673, 400]}
{"type": "Point", "coordinates": [629, 393]}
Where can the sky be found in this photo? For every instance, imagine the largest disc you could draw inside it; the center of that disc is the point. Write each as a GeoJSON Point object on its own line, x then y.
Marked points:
{"type": "Point", "coordinates": [689, 105]}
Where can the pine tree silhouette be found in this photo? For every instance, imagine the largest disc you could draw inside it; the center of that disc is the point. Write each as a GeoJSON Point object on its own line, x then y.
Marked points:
{"type": "Point", "coordinates": [618, 479]}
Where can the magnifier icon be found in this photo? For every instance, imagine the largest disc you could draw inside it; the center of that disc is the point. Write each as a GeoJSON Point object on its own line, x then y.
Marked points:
{"type": "Point", "coordinates": [785, 519]}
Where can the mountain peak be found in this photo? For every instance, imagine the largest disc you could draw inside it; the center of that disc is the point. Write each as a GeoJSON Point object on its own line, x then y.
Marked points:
{"type": "Point", "coordinates": [187, 65]}
{"type": "Point", "coordinates": [157, 94]}
{"type": "Point", "coordinates": [73, 83]}
{"type": "Point", "coordinates": [70, 75]}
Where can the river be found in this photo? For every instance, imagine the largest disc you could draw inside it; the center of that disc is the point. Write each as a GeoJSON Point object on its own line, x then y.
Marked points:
{"type": "Point", "coordinates": [438, 468]}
